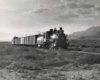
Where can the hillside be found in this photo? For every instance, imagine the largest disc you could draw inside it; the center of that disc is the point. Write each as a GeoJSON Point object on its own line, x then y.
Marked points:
{"type": "Point", "coordinates": [92, 37]}
{"type": "Point", "coordinates": [91, 33]}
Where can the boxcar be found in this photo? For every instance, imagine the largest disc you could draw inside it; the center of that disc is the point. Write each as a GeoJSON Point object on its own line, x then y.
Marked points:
{"type": "Point", "coordinates": [17, 41]}
{"type": "Point", "coordinates": [34, 39]}
{"type": "Point", "coordinates": [25, 40]}
{"type": "Point", "coordinates": [22, 40]}
{"type": "Point", "coordinates": [31, 40]}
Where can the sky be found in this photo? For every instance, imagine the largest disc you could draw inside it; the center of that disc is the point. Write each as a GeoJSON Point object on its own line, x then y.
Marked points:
{"type": "Point", "coordinates": [28, 17]}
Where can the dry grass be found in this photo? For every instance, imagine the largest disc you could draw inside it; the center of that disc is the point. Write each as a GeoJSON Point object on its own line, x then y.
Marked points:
{"type": "Point", "coordinates": [39, 64]}
{"type": "Point", "coordinates": [97, 50]}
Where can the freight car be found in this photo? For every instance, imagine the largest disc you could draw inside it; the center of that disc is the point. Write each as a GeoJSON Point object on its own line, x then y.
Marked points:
{"type": "Point", "coordinates": [50, 39]}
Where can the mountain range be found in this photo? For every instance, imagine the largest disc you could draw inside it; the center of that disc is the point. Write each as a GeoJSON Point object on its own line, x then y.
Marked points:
{"type": "Point", "coordinates": [92, 33]}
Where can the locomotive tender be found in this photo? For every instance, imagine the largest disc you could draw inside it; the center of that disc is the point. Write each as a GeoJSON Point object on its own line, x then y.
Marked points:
{"type": "Point", "coordinates": [50, 39]}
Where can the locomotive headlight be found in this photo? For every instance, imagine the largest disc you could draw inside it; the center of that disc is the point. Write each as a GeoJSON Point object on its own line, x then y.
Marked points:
{"type": "Point", "coordinates": [54, 36]}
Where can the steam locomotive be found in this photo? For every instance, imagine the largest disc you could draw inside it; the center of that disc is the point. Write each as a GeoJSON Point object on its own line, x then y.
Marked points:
{"type": "Point", "coordinates": [50, 39]}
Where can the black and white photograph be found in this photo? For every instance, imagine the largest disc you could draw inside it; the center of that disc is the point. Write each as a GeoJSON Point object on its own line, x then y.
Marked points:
{"type": "Point", "coordinates": [49, 39]}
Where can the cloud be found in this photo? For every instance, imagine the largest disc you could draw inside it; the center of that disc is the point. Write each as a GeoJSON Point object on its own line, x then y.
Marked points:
{"type": "Point", "coordinates": [41, 10]}
{"type": "Point", "coordinates": [61, 6]}
{"type": "Point", "coordinates": [97, 8]}
{"type": "Point", "coordinates": [78, 3]}
{"type": "Point", "coordinates": [75, 1]}
{"type": "Point", "coordinates": [67, 17]}
{"type": "Point", "coordinates": [87, 12]}
{"type": "Point", "coordinates": [80, 14]}
{"type": "Point", "coordinates": [68, 0]}
{"type": "Point", "coordinates": [85, 5]}
{"type": "Point", "coordinates": [73, 10]}
{"type": "Point", "coordinates": [73, 5]}
{"type": "Point", "coordinates": [82, 5]}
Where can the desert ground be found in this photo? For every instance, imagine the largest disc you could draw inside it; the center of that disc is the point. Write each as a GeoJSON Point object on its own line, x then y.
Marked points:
{"type": "Point", "coordinates": [30, 63]}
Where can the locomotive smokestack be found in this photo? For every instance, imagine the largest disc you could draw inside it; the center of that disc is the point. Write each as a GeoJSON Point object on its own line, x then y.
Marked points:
{"type": "Point", "coordinates": [55, 30]}
{"type": "Point", "coordinates": [61, 28]}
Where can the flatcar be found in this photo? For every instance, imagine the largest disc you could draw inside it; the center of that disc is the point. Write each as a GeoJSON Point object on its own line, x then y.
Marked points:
{"type": "Point", "coordinates": [49, 39]}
